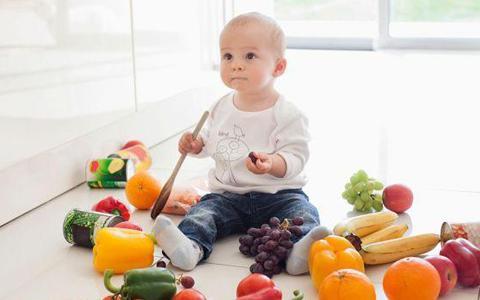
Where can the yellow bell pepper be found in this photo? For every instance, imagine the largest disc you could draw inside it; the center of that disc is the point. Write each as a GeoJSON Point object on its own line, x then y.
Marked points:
{"type": "Point", "coordinates": [330, 254]}
{"type": "Point", "coordinates": [122, 249]}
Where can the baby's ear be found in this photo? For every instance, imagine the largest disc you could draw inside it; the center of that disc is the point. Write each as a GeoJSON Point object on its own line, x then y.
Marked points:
{"type": "Point", "coordinates": [280, 67]}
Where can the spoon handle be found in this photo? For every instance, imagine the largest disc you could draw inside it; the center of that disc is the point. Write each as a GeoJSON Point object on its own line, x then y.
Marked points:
{"type": "Point", "coordinates": [194, 135]}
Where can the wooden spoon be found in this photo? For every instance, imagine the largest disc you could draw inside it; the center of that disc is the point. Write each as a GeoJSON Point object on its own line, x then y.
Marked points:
{"type": "Point", "coordinates": [167, 187]}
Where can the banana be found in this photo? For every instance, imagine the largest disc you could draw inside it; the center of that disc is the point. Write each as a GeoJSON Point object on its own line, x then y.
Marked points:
{"type": "Point", "coordinates": [403, 243]}
{"type": "Point", "coordinates": [365, 224]}
{"type": "Point", "coordinates": [393, 250]}
{"type": "Point", "coordinates": [388, 233]}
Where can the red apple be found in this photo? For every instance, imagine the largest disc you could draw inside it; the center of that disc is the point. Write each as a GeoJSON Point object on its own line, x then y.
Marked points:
{"type": "Point", "coordinates": [131, 144]}
{"type": "Point", "coordinates": [465, 261]}
{"type": "Point", "coordinates": [397, 198]}
{"type": "Point", "coordinates": [447, 271]}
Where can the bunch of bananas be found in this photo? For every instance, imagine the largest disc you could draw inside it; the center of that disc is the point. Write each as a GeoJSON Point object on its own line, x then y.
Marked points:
{"type": "Point", "coordinates": [380, 241]}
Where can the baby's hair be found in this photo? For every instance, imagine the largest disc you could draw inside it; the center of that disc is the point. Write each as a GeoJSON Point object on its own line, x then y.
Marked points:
{"type": "Point", "coordinates": [278, 36]}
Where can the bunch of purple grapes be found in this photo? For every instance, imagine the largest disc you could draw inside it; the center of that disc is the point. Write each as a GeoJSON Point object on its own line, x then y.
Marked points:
{"type": "Point", "coordinates": [270, 244]}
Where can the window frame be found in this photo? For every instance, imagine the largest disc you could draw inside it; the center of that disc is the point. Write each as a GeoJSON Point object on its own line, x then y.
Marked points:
{"type": "Point", "coordinates": [382, 40]}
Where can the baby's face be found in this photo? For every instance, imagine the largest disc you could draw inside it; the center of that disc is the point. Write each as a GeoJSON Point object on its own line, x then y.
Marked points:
{"type": "Point", "coordinates": [247, 59]}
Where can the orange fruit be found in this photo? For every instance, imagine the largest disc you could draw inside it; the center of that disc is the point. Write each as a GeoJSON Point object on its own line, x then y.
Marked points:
{"type": "Point", "coordinates": [346, 284]}
{"type": "Point", "coordinates": [411, 278]}
{"type": "Point", "coordinates": [142, 190]}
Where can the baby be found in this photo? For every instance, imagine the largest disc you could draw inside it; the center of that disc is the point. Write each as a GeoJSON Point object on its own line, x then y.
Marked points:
{"type": "Point", "coordinates": [253, 119]}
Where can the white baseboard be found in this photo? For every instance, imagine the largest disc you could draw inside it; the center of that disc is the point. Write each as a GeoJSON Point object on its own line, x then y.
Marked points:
{"type": "Point", "coordinates": [32, 182]}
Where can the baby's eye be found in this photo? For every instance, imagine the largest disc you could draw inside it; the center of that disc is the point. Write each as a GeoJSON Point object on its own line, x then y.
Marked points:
{"type": "Point", "coordinates": [227, 56]}
{"type": "Point", "coordinates": [250, 55]}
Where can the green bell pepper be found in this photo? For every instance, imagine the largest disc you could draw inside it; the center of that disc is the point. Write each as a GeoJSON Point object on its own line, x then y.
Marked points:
{"type": "Point", "coordinates": [146, 284]}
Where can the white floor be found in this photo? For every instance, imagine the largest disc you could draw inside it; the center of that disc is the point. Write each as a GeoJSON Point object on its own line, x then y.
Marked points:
{"type": "Point", "coordinates": [357, 121]}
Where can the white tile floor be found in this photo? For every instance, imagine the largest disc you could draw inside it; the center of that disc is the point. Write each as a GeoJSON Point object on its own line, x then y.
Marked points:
{"type": "Point", "coordinates": [38, 263]}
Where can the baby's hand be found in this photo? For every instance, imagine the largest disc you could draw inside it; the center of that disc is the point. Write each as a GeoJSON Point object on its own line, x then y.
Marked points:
{"type": "Point", "coordinates": [188, 145]}
{"type": "Point", "coordinates": [262, 165]}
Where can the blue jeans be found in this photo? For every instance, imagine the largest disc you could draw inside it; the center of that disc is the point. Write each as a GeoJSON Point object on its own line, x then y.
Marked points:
{"type": "Point", "coordinates": [220, 215]}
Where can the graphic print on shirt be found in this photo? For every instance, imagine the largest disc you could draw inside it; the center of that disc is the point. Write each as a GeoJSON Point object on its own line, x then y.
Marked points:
{"type": "Point", "coordinates": [229, 149]}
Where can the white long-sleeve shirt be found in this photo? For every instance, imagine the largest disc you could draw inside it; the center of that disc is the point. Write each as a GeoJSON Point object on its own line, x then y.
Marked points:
{"type": "Point", "coordinates": [231, 134]}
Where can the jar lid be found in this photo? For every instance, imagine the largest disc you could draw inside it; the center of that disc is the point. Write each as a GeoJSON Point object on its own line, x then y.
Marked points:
{"type": "Point", "coordinates": [445, 233]}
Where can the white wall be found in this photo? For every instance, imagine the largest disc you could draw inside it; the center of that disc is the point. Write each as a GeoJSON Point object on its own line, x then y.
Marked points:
{"type": "Point", "coordinates": [80, 77]}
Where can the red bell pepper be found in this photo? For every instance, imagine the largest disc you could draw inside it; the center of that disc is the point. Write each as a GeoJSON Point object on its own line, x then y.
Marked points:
{"type": "Point", "coordinates": [272, 293]}
{"type": "Point", "coordinates": [111, 205]}
{"type": "Point", "coordinates": [466, 258]}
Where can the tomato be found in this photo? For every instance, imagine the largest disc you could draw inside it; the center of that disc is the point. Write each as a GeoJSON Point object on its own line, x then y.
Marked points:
{"type": "Point", "coordinates": [253, 283]}
{"type": "Point", "coordinates": [189, 294]}
{"type": "Point", "coordinates": [128, 225]}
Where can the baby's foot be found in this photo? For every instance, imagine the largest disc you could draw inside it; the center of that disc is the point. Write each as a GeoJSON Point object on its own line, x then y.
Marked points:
{"type": "Point", "coordinates": [297, 262]}
{"type": "Point", "coordinates": [182, 252]}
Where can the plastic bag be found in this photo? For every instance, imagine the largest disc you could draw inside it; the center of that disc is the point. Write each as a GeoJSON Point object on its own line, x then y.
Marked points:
{"type": "Point", "coordinates": [185, 195]}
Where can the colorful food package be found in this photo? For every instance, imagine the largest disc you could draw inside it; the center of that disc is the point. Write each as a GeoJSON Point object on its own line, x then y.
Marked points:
{"type": "Point", "coordinates": [137, 152]}
{"type": "Point", "coordinates": [467, 230]}
{"type": "Point", "coordinates": [115, 170]}
{"type": "Point", "coordinates": [80, 227]}
{"type": "Point", "coordinates": [109, 172]}
{"type": "Point", "coordinates": [185, 195]}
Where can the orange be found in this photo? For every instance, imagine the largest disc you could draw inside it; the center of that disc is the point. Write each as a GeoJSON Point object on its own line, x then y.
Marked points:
{"type": "Point", "coordinates": [411, 278]}
{"type": "Point", "coordinates": [142, 190]}
{"type": "Point", "coordinates": [346, 284]}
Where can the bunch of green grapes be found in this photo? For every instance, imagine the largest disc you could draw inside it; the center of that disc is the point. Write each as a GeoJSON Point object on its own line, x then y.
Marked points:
{"type": "Point", "coordinates": [363, 192]}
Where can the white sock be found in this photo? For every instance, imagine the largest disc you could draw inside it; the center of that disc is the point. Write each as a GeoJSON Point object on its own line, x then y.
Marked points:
{"type": "Point", "coordinates": [182, 252]}
{"type": "Point", "coordinates": [297, 262]}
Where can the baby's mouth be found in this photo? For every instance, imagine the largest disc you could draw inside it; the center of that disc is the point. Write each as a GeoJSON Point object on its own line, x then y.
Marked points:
{"type": "Point", "coordinates": [238, 78]}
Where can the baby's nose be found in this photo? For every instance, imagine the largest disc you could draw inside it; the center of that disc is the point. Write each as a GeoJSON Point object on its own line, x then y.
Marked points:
{"type": "Point", "coordinates": [238, 67]}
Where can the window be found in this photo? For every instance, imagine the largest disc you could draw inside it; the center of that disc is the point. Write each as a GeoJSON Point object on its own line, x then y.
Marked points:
{"type": "Point", "coordinates": [326, 24]}
{"type": "Point", "coordinates": [332, 18]}
{"type": "Point", "coordinates": [435, 18]}
{"type": "Point", "coordinates": [366, 24]}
